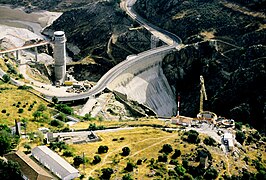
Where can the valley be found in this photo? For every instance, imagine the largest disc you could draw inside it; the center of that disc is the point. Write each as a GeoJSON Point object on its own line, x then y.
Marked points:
{"type": "Point", "coordinates": [132, 96]}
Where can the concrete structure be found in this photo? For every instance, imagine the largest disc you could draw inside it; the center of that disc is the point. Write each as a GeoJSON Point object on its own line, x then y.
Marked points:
{"type": "Point", "coordinates": [30, 169]}
{"type": "Point", "coordinates": [60, 56]}
{"type": "Point", "coordinates": [228, 140]}
{"type": "Point", "coordinates": [54, 163]}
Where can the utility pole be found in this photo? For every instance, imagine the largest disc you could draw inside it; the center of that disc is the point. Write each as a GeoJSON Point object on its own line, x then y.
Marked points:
{"type": "Point", "coordinates": [178, 105]}
{"type": "Point", "coordinates": [83, 162]}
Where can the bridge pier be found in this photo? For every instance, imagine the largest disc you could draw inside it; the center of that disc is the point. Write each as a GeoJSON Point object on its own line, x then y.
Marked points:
{"type": "Point", "coordinates": [36, 53]}
{"type": "Point", "coordinates": [154, 41]}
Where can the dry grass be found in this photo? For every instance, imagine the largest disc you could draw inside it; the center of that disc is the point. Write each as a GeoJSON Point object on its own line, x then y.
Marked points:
{"type": "Point", "coordinates": [11, 95]}
{"type": "Point", "coordinates": [208, 34]}
{"type": "Point", "coordinates": [36, 75]}
{"type": "Point", "coordinates": [144, 143]}
{"type": "Point", "coordinates": [179, 15]}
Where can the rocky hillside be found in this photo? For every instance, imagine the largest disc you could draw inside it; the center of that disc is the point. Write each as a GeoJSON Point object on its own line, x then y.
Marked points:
{"type": "Point", "coordinates": [234, 73]}
{"type": "Point", "coordinates": [102, 31]}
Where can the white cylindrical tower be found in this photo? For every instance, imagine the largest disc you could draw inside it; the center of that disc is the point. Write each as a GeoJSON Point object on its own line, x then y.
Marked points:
{"type": "Point", "coordinates": [60, 56]}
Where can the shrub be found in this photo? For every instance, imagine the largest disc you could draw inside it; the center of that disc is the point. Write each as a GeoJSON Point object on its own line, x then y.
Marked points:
{"type": "Point", "coordinates": [24, 87]}
{"type": "Point", "coordinates": [211, 173]}
{"type": "Point", "coordinates": [167, 148]}
{"type": "Point", "coordinates": [96, 159]}
{"type": "Point", "coordinates": [130, 166]}
{"type": "Point", "coordinates": [106, 173]}
{"type": "Point", "coordinates": [3, 111]}
{"type": "Point", "coordinates": [192, 137]}
{"type": "Point", "coordinates": [176, 154]}
{"type": "Point", "coordinates": [125, 151]}
{"type": "Point", "coordinates": [62, 117]}
{"type": "Point", "coordinates": [103, 149]}
{"type": "Point", "coordinates": [55, 99]}
{"type": "Point", "coordinates": [240, 137]}
{"type": "Point", "coordinates": [64, 109]}
{"type": "Point", "coordinates": [6, 78]}
{"type": "Point", "coordinates": [139, 162]}
{"type": "Point", "coordinates": [20, 110]}
{"type": "Point", "coordinates": [56, 123]}
{"type": "Point", "coordinates": [209, 141]}
{"type": "Point", "coordinates": [162, 158]}
{"type": "Point", "coordinates": [41, 107]}
{"type": "Point", "coordinates": [180, 170]}
{"type": "Point", "coordinates": [127, 177]}
{"type": "Point", "coordinates": [78, 160]}
{"type": "Point", "coordinates": [68, 153]}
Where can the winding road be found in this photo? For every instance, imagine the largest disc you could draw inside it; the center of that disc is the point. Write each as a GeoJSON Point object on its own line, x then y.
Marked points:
{"type": "Point", "coordinates": [172, 40]}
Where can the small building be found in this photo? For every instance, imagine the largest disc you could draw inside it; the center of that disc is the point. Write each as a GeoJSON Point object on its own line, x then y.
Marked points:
{"type": "Point", "coordinates": [228, 140]}
{"type": "Point", "coordinates": [60, 167]}
{"type": "Point", "coordinates": [30, 169]}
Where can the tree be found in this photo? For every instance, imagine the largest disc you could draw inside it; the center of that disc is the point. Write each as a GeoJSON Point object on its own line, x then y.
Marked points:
{"type": "Point", "coordinates": [192, 137]}
{"type": "Point", "coordinates": [167, 148]}
{"type": "Point", "coordinates": [130, 166]}
{"type": "Point", "coordinates": [78, 160]}
{"type": "Point", "coordinates": [127, 177]}
{"type": "Point", "coordinates": [125, 151]}
{"type": "Point", "coordinates": [37, 114]}
{"type": "Point", "coordinates": [103, 149]}
{"type": "Point", "coordinates": [6, 78]}
{"type": "Point", "coordinates": [41, 107]}
{"type": "Point", "coordinates": [106, 173]}
{"type": "Point", "coordinates": [10, 170]}
{"type": "Point", "coordinates": [92, 127]}
{"type": "Point", "coordinates": [162, 158]}
{"type": "Point", "coordinates": [211, 173]}
{"type": "Point", "coordinates": [176, 154]}
{"type": "Point", "coordinates": [28, 147]}
{"type": "Point", "coordinates": [5, 142]}
{"type": "Point", "coordinates": [56, 123]}
{"type": "Point", "coordinates": [209, 141]}
{"type": "Point", "coordinates": [68, 153]}
{"type": "Point", "coordinates": [55, 99]}
{"type": "Point", "coordinates": [240, 137]}
{"type": "Point", "coordinates": [180, 170]}
{"type": "Point", "coordinates": [64, 108]}
{"type": "Point", "coordinates": [139, 162]}
{"type": "Point", "coordinates": [62, 117]}
{"type": "Point", "coordinates": [96, 159]}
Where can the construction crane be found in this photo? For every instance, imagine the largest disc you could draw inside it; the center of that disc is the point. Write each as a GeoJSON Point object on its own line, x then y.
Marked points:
{"type": "Point", "coordinates": [203, 95]}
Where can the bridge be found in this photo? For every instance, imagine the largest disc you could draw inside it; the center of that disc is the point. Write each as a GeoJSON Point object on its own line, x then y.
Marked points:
{"type": "Point", "coordinates": [17, 49]}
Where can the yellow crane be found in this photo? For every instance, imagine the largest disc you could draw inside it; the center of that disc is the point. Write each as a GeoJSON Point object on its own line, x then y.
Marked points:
{"type": "Point", "coordinates": [203, 95]}
{"type": "Point", "coordinates": [205, 115]}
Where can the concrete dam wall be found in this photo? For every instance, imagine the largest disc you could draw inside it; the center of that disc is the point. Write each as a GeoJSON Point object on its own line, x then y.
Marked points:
{"type": "Point", "coordinates": [146, 83]}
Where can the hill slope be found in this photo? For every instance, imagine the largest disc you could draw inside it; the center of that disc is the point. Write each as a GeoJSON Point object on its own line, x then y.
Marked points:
{"type": "Point", "coordinates": [234, 74]}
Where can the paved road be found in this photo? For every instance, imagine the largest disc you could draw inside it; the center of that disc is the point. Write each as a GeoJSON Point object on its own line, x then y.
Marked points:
{"type": "Point", "coordinates": [121, 67]}
{"type": "Point", "coordinates": [166, 36]}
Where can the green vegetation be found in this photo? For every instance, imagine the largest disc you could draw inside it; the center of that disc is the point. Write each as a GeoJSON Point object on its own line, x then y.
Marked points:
{"type": "Point", "coordinates": [10, 170]}
{"type": "Point", "coordinates": [106, 173]}
{"type": "Point", "coordinates": [191, 136]}
{"type": "Point", "coordinates": [7, 140]}
{"type": "Point", "coordinates": [125, 151]}
{"type": "Point", "coordinates": [78, 160]}
{"type": "Point", "coordinates": [103, 149]}
{"type": "Point", "coordinates": [64, 109]}
{"type": "Point", "coordinates": [96, 159]}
